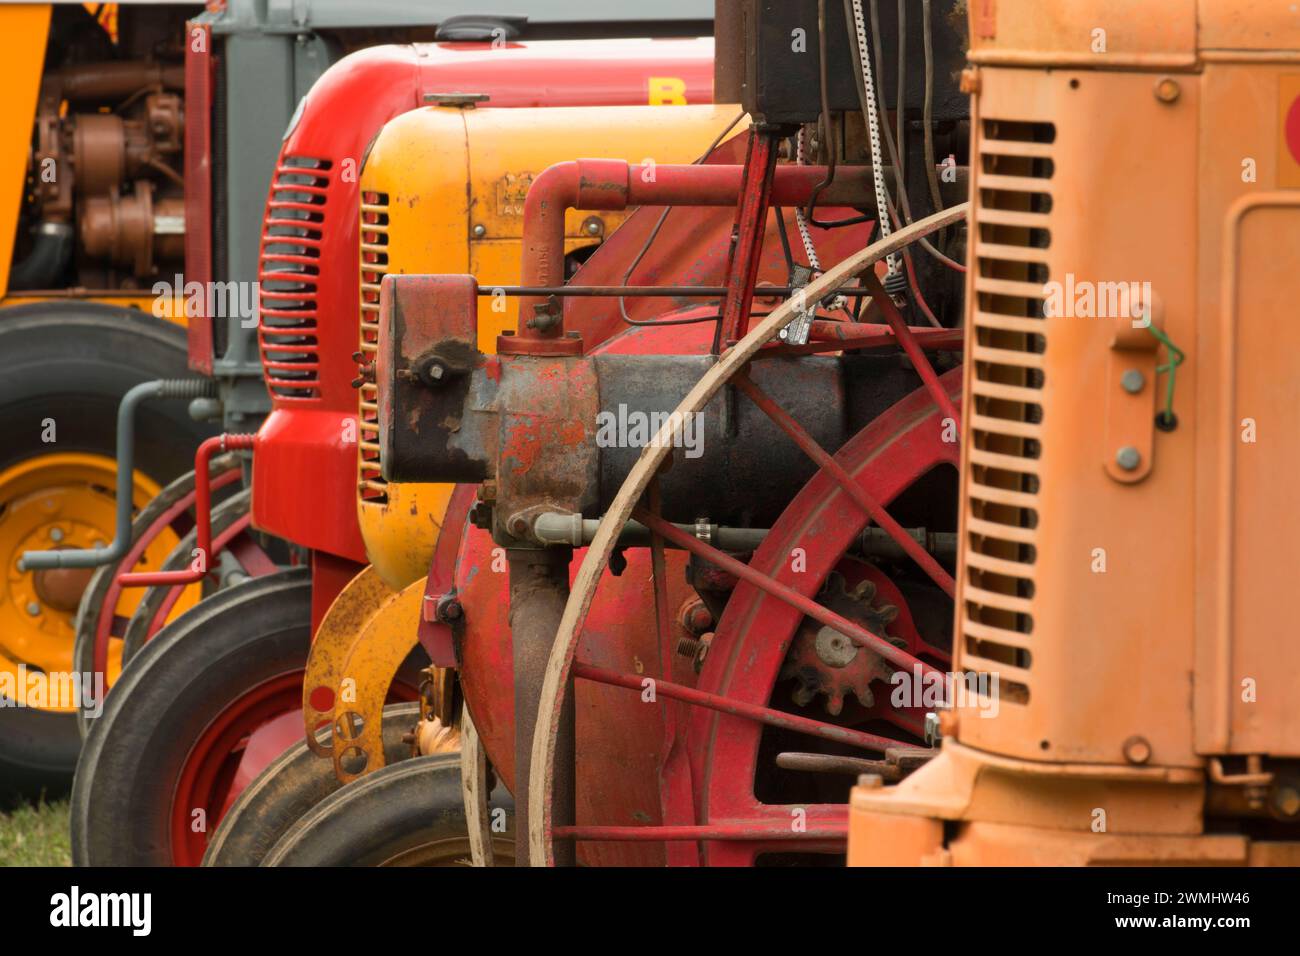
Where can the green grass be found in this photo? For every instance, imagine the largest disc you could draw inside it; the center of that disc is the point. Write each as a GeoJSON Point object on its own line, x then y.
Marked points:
{"type": "Point", "coordinates": [35, 835]}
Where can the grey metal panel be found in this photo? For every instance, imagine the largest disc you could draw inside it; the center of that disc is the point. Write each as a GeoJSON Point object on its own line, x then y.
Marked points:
{"type": "Point", "coordinates": [258, 73]}
{"type": "Point", "coordinates": [334, 14]}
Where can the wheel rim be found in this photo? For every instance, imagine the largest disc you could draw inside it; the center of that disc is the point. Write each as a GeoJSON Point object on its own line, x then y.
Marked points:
{"type": "Point", "coordinates": [61, 500]}
{"type": "Point", "coordinates": [207, 777]}
{"type": "Point", "coordinates": [223, 761]}
{"type": "Point", "coordinates": [756, 629]}
{"type": "Point", "coordinates": [453, 851]}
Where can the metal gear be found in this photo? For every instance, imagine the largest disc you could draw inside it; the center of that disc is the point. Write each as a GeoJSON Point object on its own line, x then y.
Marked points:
{"type": "Point", "coordinates": [824, 661]}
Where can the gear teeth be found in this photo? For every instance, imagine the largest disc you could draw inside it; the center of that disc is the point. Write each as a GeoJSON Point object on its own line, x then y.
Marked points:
{"type": "Point", "coordinates": [803, 694]}
{"type": "Point", "coordinates": [834, 704]}
{"type": "Point", "coordinates": [865, 591]}
{"type": "Point", "coordinates": [865, 697]}
{"type": "Point", "coordinates": [888, 613]}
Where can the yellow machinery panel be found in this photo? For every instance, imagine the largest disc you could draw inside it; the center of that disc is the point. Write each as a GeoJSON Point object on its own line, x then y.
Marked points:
{"type": "Point", "coordinates": [418, 216]}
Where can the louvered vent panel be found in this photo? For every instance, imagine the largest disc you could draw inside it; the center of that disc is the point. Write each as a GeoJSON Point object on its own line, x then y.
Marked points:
{"type": "Point", "coordinates": [1013, 222]}
{"type": "Point", "coordinates": [289, 274]}
{"type": "Point", "coordinates": [374, 266]}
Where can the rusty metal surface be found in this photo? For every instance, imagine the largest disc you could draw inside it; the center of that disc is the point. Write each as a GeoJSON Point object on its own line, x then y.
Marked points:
{"type": "Point", "coordinates": [344, 620]}
{"type": "Point", "coordinates": [428, 329]}
{"type": "Point", "coordinates": [371, 665]}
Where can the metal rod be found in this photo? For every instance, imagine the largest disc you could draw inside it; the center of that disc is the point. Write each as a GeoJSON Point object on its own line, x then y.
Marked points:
{"type": "Point", "coordinates": [714, 831]}
{"type": "Point", "coordinates": [629, 291]}
{"type": "Point", "coordinates": [736, 708]}
{"type": "Point", "coordinates": [202, 516]}
{"type": "Point", "coordinates": [125, 493]}
{"type": "Point", "coordinates": [907, 339]}
{"type": "Point", "coordinates": [560, 528]}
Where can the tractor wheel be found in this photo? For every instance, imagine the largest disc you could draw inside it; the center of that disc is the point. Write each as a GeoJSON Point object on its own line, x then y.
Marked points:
{"type": "Point", "coordinates": [210, 693]}
{"type": "Point", "coordinates": [297, 781]}
{"type": "Point", "coordinates": [406, 814]}
{"type": "Point", "coordinates": [230, 518]}
{"type": "Point", "coordinates": [107, 608]}
{"type": "Point", "coordinates": [63, 370]}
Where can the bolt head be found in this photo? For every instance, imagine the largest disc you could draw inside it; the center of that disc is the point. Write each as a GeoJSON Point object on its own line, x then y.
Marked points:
{"type": "Point", "coordinates": [932, 732]}
{"type": "Point", "coordinates": [1137, 750]}
{"type": "Point", "coordinates": [1287, 801]}
{"type": "Point", "coordinates": [449, 609]}
{"type": "Point", "coordinates": [33, 608]}
{"type": "Point", "coordinates": [1132, 381]}
{"type": "Point", "coordinates": [1128, 458]}
{"type": "Point", "coordinates": [480, 231]}
{"type": "Point", "coordinates": [1168, 90]}
{"type": "Point", "coordinates": [56, 534]}
{"type": "Point", "coordinates": [834, 648]}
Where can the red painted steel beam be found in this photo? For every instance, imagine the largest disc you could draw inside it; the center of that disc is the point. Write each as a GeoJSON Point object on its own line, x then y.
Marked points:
{"type": "Point", "coordinates": [747, 242]}
{"type": "Point", "coordinates": [736, 708]}
{"type": "Point", "coordinates": [907, 339]}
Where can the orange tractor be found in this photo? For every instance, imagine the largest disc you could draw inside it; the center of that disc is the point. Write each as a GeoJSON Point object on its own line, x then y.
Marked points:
{"type": "Point", "coordinates": [1124, 559]}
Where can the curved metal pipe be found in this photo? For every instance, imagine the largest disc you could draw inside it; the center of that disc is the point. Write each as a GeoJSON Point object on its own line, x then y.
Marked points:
{"type": "Point", "coordinates": [51, 250]}
{"type": "Point", "coordinates": [95, 557]}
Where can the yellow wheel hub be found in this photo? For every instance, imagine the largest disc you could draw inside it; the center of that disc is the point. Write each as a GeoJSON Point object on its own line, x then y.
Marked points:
{"type": "Point", "coordinates": [60, 500]}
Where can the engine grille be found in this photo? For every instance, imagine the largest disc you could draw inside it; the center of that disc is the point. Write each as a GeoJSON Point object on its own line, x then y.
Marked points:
{"type": "Point", "coordinates": [374, 266]}
{"type": "Point", "coordinates": [289, 274]}
{"type": "Point", "coordinates": [1013, 222]}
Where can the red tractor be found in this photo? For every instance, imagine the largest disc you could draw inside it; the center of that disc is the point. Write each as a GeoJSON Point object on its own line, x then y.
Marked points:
{"type": "Point", "coordinates": [209, 700]}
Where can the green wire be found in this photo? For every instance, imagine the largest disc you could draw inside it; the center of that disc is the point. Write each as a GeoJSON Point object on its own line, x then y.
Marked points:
{"type": "Point", "coordinates": [1176, 358]}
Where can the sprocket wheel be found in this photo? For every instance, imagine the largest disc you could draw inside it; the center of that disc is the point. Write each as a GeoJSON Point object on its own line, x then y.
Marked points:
{"type": "Point", "coordinates": [824, 661]}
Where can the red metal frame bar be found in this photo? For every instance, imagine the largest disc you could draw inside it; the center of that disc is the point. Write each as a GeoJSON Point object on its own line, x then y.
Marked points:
{"type": "Point", "coordinates": [854, 632]}
{"type": "Point", "coordinates": [825, 335]}
{"type": "Point", "coordinates": [736, 708]}
{"type": "Point", "coordinates": [246, 551]}
{"type": "Point", "coordinates": [104, 625]}
{"type": "Point", "coordinates": [747, 238]}
{"type": "Point", "coordinates": [907, 339]}
{"type": "Point", "coordinates": [825, 460]}
{"type": "Point", "coordinates": [202, 515]}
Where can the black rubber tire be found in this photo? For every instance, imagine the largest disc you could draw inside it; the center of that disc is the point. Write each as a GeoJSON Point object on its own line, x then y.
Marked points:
{"type": "Point", "coordinates": [402, 811]}
{"type": "Point", "coordinates": [179, 682]}
{"type": "Point", "coordinates": [287, 789]}
{"type": "Point", "coordinates": [83, 650]}
{"type": "Point", "coordinates": [73, 362]}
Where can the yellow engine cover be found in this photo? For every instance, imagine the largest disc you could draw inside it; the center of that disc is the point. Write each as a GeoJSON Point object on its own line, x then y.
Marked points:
{"type": "Point", "coordinates": [442, 191]}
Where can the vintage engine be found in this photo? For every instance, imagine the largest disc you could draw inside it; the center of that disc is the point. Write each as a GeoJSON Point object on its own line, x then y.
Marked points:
{"type": "Point", "coordinates": [311, 252]}
{"type": "Point", "coordinates": [763, 595]}
{"type": "Point", "coordinates": [104, 191]}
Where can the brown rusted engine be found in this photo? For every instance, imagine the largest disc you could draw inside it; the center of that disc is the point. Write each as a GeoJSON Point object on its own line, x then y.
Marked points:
{"type": "Point", "coordinates": [104, 181]}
